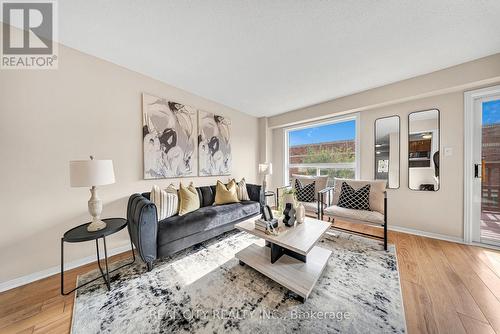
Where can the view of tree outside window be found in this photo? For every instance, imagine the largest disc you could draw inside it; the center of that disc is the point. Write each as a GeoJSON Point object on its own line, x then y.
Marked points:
{"type": "Point", "coordinates": [325, 149]}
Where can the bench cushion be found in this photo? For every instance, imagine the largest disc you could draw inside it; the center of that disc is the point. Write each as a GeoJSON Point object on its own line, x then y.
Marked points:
{"type": "Point", "coordinates": [376, 197]}
{"type": "Point", "coordinates": [358, 215]}
{"type": "Point", "coordinates": [310, 206]}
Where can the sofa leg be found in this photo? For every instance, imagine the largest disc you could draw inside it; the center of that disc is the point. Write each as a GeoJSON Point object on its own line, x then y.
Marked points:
{"type": "Point", "coordinates": [149, 265]}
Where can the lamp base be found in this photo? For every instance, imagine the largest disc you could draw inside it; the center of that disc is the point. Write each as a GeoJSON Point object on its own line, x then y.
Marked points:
{"type": "Point", "coordinates": [96, 225]}
{"type": "Point", "coordinates": [95, 209]}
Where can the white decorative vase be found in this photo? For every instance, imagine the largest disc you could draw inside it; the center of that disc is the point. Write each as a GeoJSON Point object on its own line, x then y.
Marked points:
{"type": "Point", "coordinates": [300, 213]}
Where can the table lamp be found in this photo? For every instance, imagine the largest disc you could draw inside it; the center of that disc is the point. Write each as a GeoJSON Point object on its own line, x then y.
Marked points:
{"type": "Point", "coordinates": [265, 169]}
{"type": "Point", "coordinates": [92, 173]}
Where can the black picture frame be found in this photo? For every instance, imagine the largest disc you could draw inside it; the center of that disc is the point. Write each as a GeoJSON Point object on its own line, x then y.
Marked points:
{"type": "Point", "coordinates": [267, 214]}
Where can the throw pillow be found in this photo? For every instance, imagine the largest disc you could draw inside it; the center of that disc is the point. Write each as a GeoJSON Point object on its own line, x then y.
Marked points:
{"type": "Point", "coordinates": [175, 205]}
{"type": "Point", "coordinates": [226, 194]}
{"type": "Point", "coordinates": [241, 190]}
{"type": "Point", "coordinates": [354, 199]}
{"type": "Point", "coordinates": [188, 199]}
{"type": "Point", "coordinates": [166, 201]}
{"type": "Point", "coordinates": [305, 193]}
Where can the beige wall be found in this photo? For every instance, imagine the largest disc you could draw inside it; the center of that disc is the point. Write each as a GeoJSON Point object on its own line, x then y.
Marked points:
{"type": "Point", "coordinates": [87, 106]}
{"type": "Point", "coordinates": [438, 212]}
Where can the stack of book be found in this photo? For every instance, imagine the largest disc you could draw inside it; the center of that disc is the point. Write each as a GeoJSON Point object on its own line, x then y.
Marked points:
{"type": "Point", "coordinates": [262, 225]}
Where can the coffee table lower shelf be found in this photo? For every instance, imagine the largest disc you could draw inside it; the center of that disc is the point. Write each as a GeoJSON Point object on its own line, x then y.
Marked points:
{"type": "Point", "coordinates": [295, 275]}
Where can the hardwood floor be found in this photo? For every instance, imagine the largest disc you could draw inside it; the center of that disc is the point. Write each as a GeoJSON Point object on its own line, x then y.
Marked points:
{"type": "Point", "coordinates": [446, 287]}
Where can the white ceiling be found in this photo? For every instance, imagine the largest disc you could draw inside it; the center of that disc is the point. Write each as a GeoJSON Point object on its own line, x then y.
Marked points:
{"type": "Point", "coordinates": [267, 57]}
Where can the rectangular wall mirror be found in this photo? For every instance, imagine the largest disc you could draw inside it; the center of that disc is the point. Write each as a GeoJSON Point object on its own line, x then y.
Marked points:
{"type": "Point", "coordinates": [423, 150]}
{"type": "Point", "coordinates": [387, 150]}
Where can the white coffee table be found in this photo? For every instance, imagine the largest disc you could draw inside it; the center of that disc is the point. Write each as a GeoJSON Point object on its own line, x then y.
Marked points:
{"type": "Point", "coordinates": [290, 258]}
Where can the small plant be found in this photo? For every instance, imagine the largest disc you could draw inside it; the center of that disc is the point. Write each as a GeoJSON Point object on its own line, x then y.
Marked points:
{"type": "Point", "coordinates": [285, 193]}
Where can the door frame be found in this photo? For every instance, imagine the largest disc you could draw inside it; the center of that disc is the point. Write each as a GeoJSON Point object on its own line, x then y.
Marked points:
{"type": "Point", "coordinates": [470, 97]}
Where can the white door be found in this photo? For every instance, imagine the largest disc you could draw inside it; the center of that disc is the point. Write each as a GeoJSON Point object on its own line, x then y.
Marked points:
{"type": "Point", "coordinates": [484, 179]}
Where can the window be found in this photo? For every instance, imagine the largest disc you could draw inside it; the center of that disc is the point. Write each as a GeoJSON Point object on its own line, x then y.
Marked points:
{"type": "Point", "coordinates": [328, 148]}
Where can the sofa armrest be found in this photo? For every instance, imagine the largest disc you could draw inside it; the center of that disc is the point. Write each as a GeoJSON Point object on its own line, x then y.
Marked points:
{"type": "Point", "coordinates": [326, 196]}
{"type": "Point", "coordinates": [143, 226]}
{"type": "Point", "coordinates": [256, 194]}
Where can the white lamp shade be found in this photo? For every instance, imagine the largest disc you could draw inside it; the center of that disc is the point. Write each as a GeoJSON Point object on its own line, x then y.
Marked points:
{"type": "Point", "coordinates": [87, 173]}
{"type": "Point", "coordinates": [266, 168]}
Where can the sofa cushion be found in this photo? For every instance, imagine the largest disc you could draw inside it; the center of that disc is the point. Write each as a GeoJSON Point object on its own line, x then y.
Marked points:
{"type": "Point", "coordinates": [189, 199]}
{"type": "Point", "coordinates": [358, 215]}
{"type": "Point", "coordinates": [377, 189]}
{"type": "Point", "coordinates": [207, 195]}
{"type": "Point", "coordinates": [226, 194]}
{"type": "Point", "coordinates": [204, 219]}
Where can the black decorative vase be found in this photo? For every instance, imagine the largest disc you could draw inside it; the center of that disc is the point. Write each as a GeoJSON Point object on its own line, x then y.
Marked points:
{"type": "Point", "coordinates": [289, 212]}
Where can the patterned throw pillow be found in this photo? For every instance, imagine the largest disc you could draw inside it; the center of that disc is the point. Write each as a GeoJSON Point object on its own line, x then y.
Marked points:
{"type": "Point", "coordinates": [166, 201]}
{"type": "Point", "coordinates": [354, 199]}
{"type": "Point", "coordinates": [305, 193]}
{"type": "Point", "coordinates": [241, 189]}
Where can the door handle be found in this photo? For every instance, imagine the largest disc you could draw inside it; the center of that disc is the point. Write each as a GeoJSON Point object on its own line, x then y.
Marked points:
{"type": "Point", "coordinates": [477, 171]}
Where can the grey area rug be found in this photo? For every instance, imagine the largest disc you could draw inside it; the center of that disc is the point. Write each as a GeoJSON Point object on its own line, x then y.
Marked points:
{"type": "Point", "coordinates": [205, 290]}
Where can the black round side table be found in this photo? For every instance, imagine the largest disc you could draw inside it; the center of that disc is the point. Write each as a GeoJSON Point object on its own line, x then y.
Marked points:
{"type": "Point", "coordinates": [80, 234]}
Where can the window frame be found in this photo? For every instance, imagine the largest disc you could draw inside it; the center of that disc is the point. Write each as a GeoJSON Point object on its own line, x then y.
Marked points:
{"type": "Point", "coordinates": [333, 120]}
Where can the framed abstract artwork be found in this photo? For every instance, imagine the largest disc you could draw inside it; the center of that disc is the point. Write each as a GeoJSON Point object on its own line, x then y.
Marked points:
{"type": "Point", "coordinates": [169, 138]}
{"type": "Point", "coordinates": [214, 144]}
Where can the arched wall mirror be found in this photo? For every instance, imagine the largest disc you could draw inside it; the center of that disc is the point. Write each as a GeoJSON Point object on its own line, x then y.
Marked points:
{"type": "Point", "coordinates": [387, 152]}
{"type": "Point", "coordinates": [423, 150]}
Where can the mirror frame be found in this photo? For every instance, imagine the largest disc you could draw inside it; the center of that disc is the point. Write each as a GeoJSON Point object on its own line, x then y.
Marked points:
{"type": "Point", "coordinates": [439, 148]}
{"type": "Point", "coordinates": [375, 150]}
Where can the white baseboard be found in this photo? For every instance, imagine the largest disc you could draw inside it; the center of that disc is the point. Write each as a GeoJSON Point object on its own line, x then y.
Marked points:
{"type": "Point", "coordinates": [426, 234]}
{"type": "Point", "coordinates": [478, 244]}
{"type": "Point", "coordinates": [16, 282]}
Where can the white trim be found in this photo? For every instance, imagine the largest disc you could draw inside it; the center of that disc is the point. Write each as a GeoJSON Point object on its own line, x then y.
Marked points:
{"type": "Point", "coordinates": [357, 147]}
{"type": "Point", "coordinates": [490, 241]}
{"type": "Point", "coordinates": [332, 120]}
{"type": "Point", "coordinates": [16, 282]}
{"type": "Point", "coordinates": [286, 158]}
{"type": "Point", "coordinates": [425, 234]}
{"type": "Point", "coordinates": [469, 99]}
{"type": "Point", "coordinates": [346, 165]}
{"type": "Point", "coordinates": [478, 244]}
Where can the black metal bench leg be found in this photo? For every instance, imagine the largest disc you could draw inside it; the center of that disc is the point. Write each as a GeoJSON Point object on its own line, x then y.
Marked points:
{"type": "Point", "coordinates": [385, 236]}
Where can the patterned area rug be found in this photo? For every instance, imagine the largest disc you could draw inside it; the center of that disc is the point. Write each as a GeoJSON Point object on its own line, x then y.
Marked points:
{"type": "Point", "coordinates": [205, 290]}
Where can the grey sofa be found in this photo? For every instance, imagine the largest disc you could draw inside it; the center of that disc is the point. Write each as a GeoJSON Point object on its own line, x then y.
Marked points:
{"type": "Point", "coordinates": [155, 239]}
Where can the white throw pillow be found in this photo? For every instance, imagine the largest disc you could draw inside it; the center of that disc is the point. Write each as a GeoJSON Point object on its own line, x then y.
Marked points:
{"type": "Point", "coordinates": [166, 201]}
{"type": "Point", "coordinates": [241, 190]}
